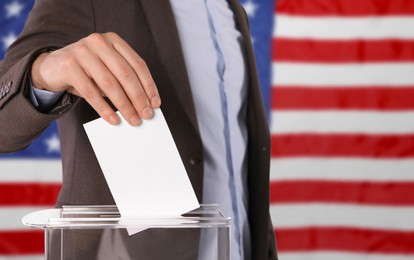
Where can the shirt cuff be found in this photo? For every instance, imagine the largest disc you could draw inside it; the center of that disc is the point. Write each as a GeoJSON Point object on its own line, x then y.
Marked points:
{"type": "Point", "coordinates": [43, 99]}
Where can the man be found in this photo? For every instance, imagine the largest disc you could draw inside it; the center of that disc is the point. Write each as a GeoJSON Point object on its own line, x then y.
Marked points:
{"type": "Point", "coordinates": [191, 56]}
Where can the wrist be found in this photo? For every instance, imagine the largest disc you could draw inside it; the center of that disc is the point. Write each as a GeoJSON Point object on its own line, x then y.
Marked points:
{"type": "Point", "coordinates": [37, 80]}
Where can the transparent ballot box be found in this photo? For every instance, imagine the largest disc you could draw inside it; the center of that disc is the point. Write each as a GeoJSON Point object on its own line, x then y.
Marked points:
{"type": "Point", "coordinates": [99, 232]}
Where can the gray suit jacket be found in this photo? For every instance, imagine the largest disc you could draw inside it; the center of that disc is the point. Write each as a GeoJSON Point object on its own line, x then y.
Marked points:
{"type": "Point", "coordinates": [149, 27]}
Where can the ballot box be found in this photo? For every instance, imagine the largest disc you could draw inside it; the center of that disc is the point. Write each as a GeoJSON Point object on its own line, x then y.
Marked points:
{"type": "Point", "coordinates": [99, 232]}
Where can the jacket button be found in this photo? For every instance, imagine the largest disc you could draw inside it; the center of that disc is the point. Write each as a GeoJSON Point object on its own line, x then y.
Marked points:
{"type": "Point", "coordinates": [2, 92]}
{"type": "Point", "coordinates": [195, 159]}
{"type": "Point", "coordinates": [8, 86]}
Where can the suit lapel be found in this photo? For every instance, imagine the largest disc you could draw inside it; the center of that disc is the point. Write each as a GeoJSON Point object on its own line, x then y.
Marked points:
{"type": "Point", "coordinates": [173, 84]}
{"type": "Point", "coordinates": [256, 112]}
{"type": "Point", "coordinates": [162, 25]}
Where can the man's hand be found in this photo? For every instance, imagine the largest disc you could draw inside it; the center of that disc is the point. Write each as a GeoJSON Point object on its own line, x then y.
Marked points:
{"type": "Point", "coordinates": [97, 66]}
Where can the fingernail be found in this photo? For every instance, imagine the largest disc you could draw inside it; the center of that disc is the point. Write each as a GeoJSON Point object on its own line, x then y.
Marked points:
{"type": "Point", "coordinates": [114, 120]}
{"type": "Point", "coordinates": [156, 101]}
{"type": "Point", "coordinates": [135, 120]}
{"type": "Point", "coordinates": [147, 113]}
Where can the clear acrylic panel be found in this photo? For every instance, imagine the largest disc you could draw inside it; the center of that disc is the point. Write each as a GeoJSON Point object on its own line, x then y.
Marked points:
{"type": "Point", "coordinates": [99, 232]}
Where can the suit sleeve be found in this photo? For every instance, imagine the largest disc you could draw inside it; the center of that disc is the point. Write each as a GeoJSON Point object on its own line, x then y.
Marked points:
{"type": "Point", "coordinates": [52, 24]}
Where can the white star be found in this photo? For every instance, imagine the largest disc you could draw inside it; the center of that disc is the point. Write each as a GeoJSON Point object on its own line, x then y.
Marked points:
{"type": "Point", "coordinates": [8, 40]}
{"type": "Point", "coordinates": [53, 144]}
{"type": "Point", "coordinates": [250, 8]}
{"type": "Point", "coordinates": [14, 9]}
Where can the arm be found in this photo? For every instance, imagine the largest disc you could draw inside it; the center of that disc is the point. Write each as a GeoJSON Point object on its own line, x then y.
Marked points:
{"type": "Point", "coordinates": [20, 122]}
{"type": "Point", "coordinates": [82, 64]}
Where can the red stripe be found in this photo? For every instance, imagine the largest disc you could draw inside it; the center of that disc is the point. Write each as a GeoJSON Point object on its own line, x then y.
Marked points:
{"type": "Point", "coordinates": [377, 98]}
{"type": "Point", "coordinates": [34, 194]}
{"type": "Point", "coordinates": [352, 145]}
{"type": "Point", "coordinates": [393, 194]}
{"type": "Point", "coordinates": [21, 242]}
{"type": "Point", "coordinates": [307, 50]}
{"type": "Point", "coordinates": [345, 7]}
{"type": "Point", "coordinates": [344, 239]}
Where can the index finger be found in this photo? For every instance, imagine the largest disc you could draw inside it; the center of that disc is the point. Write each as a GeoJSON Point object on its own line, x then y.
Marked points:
{"type": "Point", "coordinates": [140, 68]}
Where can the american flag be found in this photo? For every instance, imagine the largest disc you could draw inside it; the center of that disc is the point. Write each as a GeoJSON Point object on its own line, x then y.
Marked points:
{"type": "Point", "coordinates": [29, 180]}
{"type": "Point", "coordinates": [342, 179]}
{"type": "Point", "coordinates": [338, 82]}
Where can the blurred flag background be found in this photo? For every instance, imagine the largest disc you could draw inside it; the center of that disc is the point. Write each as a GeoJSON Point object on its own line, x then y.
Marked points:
{"type": "Point", "coordinates": [342, 126]}
{"type": "Point", "coordinates": [338, 82]}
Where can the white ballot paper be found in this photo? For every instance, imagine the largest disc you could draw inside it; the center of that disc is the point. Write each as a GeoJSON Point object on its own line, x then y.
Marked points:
{"type": "Point", "coordinates": [143, 168]}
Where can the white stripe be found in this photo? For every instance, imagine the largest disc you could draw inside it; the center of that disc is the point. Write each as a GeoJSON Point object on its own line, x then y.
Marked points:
{"type": "Point", "coordinates": [341, 256]}
{"type": "Point", "coordinates": [328, 75]}
{"type": "Point", "coordinates": [25, 257]}
{"type": "Point", "coordinates": [342, 169]}
{"type": "Point", "coordinates": [11, 217]}
{"type": "Point", "coordinates": [334, 215]}
{"type": "Point", "coordinates": [336, 121]}
{"type": "Point", "coordinates": [26, 170]}
{"type": "Point", "coordinates": [344, 28]}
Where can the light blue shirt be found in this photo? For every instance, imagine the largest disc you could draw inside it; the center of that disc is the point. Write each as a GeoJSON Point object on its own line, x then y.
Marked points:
{"type": "Point", "coordinates": [214, 57]}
